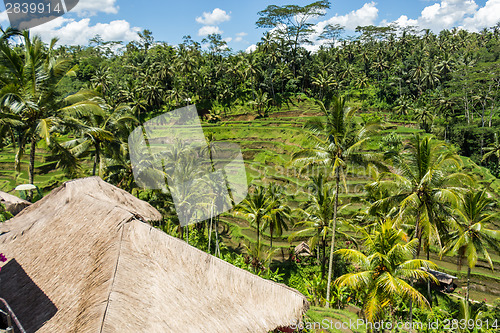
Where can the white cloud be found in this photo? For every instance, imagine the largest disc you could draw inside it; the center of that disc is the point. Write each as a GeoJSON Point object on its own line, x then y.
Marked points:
{"type": "Point", "coordinates": [366, 15]}
{"type": "Point", "coordinates": [404, 21]}
{"type": "Point", "coordinates": [363, 16]}
{"type": "Point", "coordinates": [251, 48]}
{"type": "Point", "coordinates": [208, 30]}
{"type": "Point", "coordinates": [239, 36]}
{"type": "Point", "coordinates": [4, 17]}
{"type": "Point", "coordinates": [215, 17]}
{"type": "Point", "coordinates": [454, 13]}
{"type": "Point", "coordinates": [92, 7]}
{"type": "Point", "coordinates": [72, 32]}
{"type": "Point", "coordinates": [227, 39]}
{"type": "Point", "coordinates": [446, 14]}
{"type": "Point", "coordinates": [487, 16]}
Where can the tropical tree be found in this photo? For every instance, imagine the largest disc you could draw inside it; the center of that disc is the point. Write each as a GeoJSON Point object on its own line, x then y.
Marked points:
{"type": "Point", "coordinates": [336, 141]}
{"type": "Point", "coordinates": [426, 177]}
{"type": "Point", "coordinates": [471, 236]}
{"type": "Point", "coordinates": [30, 76]}
{"type": "Point", "coordinates": [317, 214]}
{"type": "Point", "coordinates": [493, 150]}
{"type": "Point", "coordinates": [257, 207]}
{"type": "Point", "coordinates": [383, 273]}
{"type": "Point", "coordinates": [280, 213]}
{"type": "Point", "coordinates": [100, 126]}
{"type": "Point", "coordinates": [292, 23]}
{"type": "Point", "coordinates": [425, 119]}
{"type": "Point", "coordinates": [424, 184]}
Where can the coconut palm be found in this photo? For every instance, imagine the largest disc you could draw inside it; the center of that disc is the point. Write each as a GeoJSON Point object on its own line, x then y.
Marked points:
{"type": "Point", "coordinates": [383, 273]}
{"type": "Point", "coordinates": [493, 150]}
{"type": "Point", "coordinates": [426, 177]}
{"type": "Point", "coordinates": [257, 207]}
{"type": "Point", "coordinates": [280, 213]}
{"type": "Point", "coordinates": [336, 141]}
{"type": "Point", "coordinates": [30, 76]}
{"type": "Point", "coordinates": [470, 236]}
{"type": "Point", "coordinates": [100, 126]}
{"type": "Point", "coordinates": [423, 185]}
{"type": "Point", "coordinates": [324, 81]}
{"type": "Point", "coordinates": [425, 119]}
{"type": "Point", "coordinates": [317, 214]}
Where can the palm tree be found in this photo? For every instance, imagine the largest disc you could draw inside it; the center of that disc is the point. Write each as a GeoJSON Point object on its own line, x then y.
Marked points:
{"type": "Point", "coordinates": [318, 214]}
{"type": "Point", "coordinates": [405, 105]}
{"type": "Point", "coordinates": [493, 150]}
{"type": "Point", "coordinates": [431, 77]}
{"type": "Point", "coordinates": [30, 78]}
{"type": "Point", "coordinates": [257, 207]}
{"type": "Point", "coordinates": [470, 236]}
{"type": "Point", "coordinates": [422, 186]}
{"type": "Point", "coordinates": [99, 125]}
{"type": "Point", "coordinates": [336, 142]}
{"type": "Point", "coordinates": [261, 102]}
{"type": "Point", "coordinates": [280, 213]}
{"type": "Point", "coordinates": [324, 81]}
{"type": "Point", "coordinates": [383, 272]}
{"type": "Point", "coordinates": [425, 119]}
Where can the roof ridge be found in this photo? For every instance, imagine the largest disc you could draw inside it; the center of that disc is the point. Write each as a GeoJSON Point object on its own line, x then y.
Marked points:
{"type": "Point", "coordinates": [122, 226]}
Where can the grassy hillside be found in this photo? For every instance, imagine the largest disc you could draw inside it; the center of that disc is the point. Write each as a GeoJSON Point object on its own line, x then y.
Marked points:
{"type": "Point", "coordinates": [267, 145]}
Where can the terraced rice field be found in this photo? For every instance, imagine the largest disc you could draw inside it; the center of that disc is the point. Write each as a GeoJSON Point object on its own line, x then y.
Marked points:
{"type": "Point", "coordinates": [267, 146]}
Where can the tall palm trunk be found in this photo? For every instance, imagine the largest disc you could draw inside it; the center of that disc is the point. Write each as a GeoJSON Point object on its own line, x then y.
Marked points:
{"type": "Point", "coordinates": [334, 227]}
{"type": "Point", "coordinates": [271, 229]}
{"type": "Point", "coordinates": [97, 157]}
{"type": "Point", "coordinates": [468, 285]}
{"type": "Point", "coordinates": [217, 247]}
{"type": "Point", "coordinates": [32, 166]}
{"type": "Point", "coordinates": [429, 295]}
{"type": "Point", "coordinates": [323, 258]}
{"type": "Point", "coordinates": [415, 234]}
{"type": "Point", "coordinates": [32, 160]}
{"type": "Point", "coordinates": [19, 153]}
{"type": "Point", "coordinates": [257, 221]}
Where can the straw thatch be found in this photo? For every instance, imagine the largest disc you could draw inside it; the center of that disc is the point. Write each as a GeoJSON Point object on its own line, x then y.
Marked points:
{"type": "Point", "coordinates": [12, 203]}
{"type": "Point", "coordinates": [442, 277]}
{"type": "Point", "coordinates": [83, 260]}
{"type": "Point", "coordinates": [303, 250]}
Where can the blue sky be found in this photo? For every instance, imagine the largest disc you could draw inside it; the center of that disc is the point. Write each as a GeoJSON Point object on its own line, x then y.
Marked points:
{"type": "Point", "coordinates": [235, 20]}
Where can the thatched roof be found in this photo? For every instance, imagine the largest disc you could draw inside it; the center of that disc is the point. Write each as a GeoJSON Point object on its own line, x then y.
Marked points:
{"type": "Point", "coordinates": [12, 203]}
{"type": "Point", "coordinates": [442, 277]}
{"type": "Point", "coordinates": [303, 250]}
{"type": "Point", "coordinates": [82, 259]}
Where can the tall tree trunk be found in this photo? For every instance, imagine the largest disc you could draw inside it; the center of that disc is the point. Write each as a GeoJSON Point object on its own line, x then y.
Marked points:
{"type": "Point", "coordinates": [334, 226]}
{"type": "Point", "coordinates": [468, 285]}
{"type": "Point", "coordinates": [217, 248]}
{"type": "Point", "coordinates": [97, 157]}
{"type": "Point", "coordinates": [429, 295]}
{"type": "Point", "coordinates": [32, 160]}
{"type": "Point", "coordinates": [415, 234]}
{"type": "Point", "coordinates": [323, 258]}
{"type": "Point", "coordinates": [318, 250]}
{"type": "Point", "coordinates": [271, 229]}
{"type": "Point", "coordinates": [32, 166]}
{"type": "Point", "coordinates": [258, 231]}
{"type": "Point", "coordinates": [210, 230]}
{"type": "Point", "coordinates": [19, 153]}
